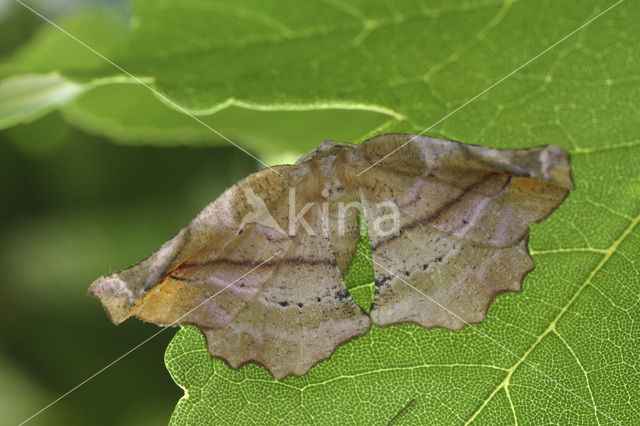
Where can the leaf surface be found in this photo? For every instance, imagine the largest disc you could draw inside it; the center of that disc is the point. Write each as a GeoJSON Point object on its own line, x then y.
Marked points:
{"type": "Point", "coordinates": [564, 349]}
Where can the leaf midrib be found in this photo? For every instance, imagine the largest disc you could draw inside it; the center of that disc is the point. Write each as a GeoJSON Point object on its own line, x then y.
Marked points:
{"type": "Point", "coordinates": [551, 328]}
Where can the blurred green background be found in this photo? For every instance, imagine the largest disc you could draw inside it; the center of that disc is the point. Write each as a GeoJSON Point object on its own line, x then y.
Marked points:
{"type": "Point", "coordinates": [76, 205]}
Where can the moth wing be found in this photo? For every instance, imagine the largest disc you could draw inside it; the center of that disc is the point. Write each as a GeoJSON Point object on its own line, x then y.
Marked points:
{"type": "Point", "coordinates": [296, 317]}
{"type": "Point", "coordinates": [257, 294]}
{"type": "Point", "coordinates": [215, 227]}
{"type": "Point", "coordinates": [463, 215]}
{"type": "Point", "coordinates": [485, 195]}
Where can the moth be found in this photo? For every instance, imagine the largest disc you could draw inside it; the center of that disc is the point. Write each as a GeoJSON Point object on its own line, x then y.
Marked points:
{"type": "Point", "coordinates": [260, 270]}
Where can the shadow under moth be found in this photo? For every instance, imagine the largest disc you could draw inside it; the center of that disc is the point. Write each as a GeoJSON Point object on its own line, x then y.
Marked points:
{"type": "Point", "coordinates": [260, 270]}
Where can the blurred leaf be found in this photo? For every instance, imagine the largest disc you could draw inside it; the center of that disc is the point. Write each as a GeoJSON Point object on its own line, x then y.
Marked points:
{"type": "Point", "coordinates": [16, 23]}
{"type": "Point", "coordinates": [71, 212]}
{"type": "Point", "coordinates": [32, 85]}
{"type": "Point", "coordinates": [415, 62]}
{"type": "Point", "coordinates": [51, 50]}
{"type": "Point", "coordinates": [42, 137]}
{"type": "Point", "coordinates": [25, 396]}
{"type": "Point", "coordinates": [131, 114]}
{"type": "Point", "coordinates": [25, 98]}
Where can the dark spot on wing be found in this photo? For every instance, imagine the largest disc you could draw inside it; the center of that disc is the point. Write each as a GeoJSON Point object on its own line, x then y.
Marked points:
{"type": "Point", "coordinates": [175, 277]}
{"type": "Point", "coordinates": [341, 295]}
{"type": "Point", "coordinates": [382, 281]}
{"type": "Point", "coordinates": [291, 260]}
{"type": "Point", "coordinates": [509, 177]}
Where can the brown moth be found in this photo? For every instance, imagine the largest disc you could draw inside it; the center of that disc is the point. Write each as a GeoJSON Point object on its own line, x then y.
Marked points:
{"type": "Point", "coordinates": [260, 270]}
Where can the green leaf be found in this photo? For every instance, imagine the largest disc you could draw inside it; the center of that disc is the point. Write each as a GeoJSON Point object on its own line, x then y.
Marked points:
{"type": "Point", "coordinates": [52, 50]}
{"type": "Point", "coordinates": [571, 335]}
{"type": "Point", "coordinates": [31, 82]}
{"type": "Point", "coordinates": [132, 114]}
{"type": "Point", "coordinates": [27, 97]}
